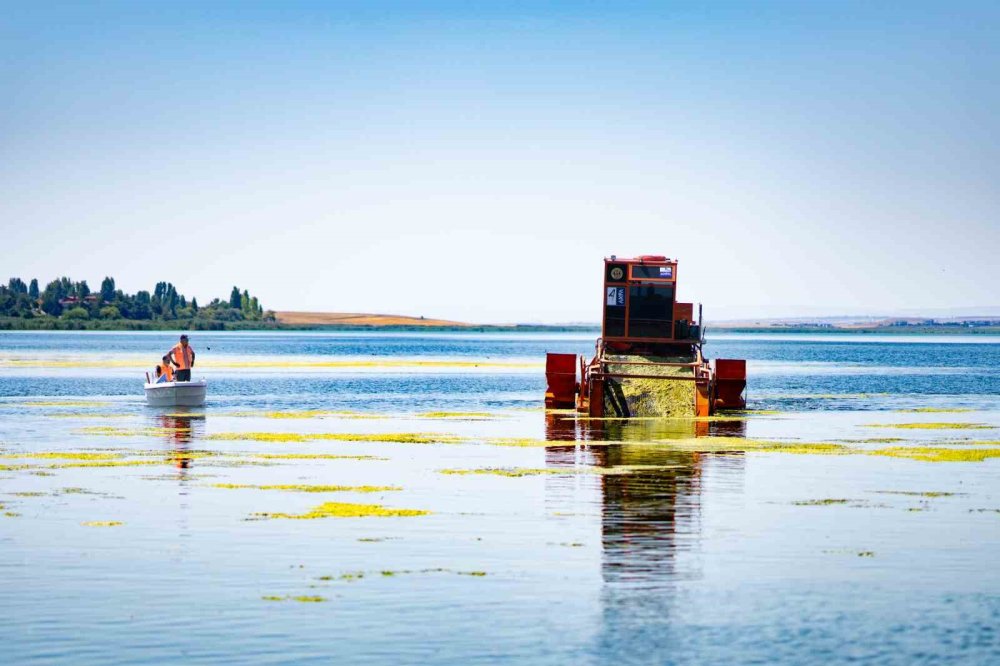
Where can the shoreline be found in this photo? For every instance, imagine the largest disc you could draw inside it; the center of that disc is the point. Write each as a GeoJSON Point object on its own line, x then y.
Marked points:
{"type": "Point", "coordinates": [52, 324]}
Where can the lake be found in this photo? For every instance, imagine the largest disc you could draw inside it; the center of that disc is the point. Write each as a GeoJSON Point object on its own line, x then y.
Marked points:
{"type": "Point", "coordinates": [404, 498]}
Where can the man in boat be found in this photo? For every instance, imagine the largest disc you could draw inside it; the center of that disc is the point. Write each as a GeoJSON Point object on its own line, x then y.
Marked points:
{"type": "Point", "coordinates": [182, 357]}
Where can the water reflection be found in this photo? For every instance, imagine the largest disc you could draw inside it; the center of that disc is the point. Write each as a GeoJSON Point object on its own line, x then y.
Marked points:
{"type": "Point", "coordinates": [180, 429]}
{"type": "Point", "coordinates": [650, 522]}
{"type": "Point", "coordinates": [650, 512]}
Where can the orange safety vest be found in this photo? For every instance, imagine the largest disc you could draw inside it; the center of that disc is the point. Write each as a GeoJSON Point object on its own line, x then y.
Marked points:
{"type": "Point", "coordinates": [168, 371]}
{"type": "Point", "coordinates": [182, 356]}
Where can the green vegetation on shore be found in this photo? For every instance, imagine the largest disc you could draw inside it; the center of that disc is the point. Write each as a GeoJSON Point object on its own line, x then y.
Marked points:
{"type": "Point", "coordinates": [68, 305]}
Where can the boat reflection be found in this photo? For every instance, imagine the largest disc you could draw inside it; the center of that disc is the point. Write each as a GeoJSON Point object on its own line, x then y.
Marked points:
{"type": "Point", "coordinates": [180, 429]}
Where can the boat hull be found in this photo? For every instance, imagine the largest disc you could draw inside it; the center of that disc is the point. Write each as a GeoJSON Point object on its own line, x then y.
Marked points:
{"type": "Point", "coordinates": [176, 394]}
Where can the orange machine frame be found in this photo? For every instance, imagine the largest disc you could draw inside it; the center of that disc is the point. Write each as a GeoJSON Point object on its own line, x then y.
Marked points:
{"type": "Point", "coordinates": [720, 384]}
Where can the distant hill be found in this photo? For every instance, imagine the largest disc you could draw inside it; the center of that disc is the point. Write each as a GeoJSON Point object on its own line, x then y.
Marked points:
{"type": "Point", "coordinates": [291, 318]}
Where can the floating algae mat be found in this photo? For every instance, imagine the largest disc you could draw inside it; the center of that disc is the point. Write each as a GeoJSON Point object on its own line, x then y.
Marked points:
{"type": "Point", "coordinates": [932, 426]}
{"type": "Point", "coordinates": [394, 437]}
{"type": "Point", "coordinates": [147, 431]}
{"type": "Point", "coordinates": [516, 472]}
{"type": "Point", "coordinates": [650, 397]}
{"type": "Point", "coordinates": [66, 403]}
{"type": "Point", "coordinates": [936, 410]}
{"type": "Point", "coordinates": [345, 510]}
{"type": "Point", "coordinates": [305, 488]}
{"type": "Point", "coordinates": [937, 454]}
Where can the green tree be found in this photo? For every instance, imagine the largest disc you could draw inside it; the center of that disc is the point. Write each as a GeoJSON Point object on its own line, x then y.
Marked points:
{"type": "Point", "coordinates": [50, 298]}
{"type": "Point", "coordinates": [76, 313]}
{"type": "Point", "coordinates": [33, 289]}
{"type": "Point", "coordinates": [108, 290]}
{"type": "Point", "coordinates": [194, 305]}
{"type": "Point", "coordinates": [235, 298]}
{"type": "Point", "coordinates": [110, 312]}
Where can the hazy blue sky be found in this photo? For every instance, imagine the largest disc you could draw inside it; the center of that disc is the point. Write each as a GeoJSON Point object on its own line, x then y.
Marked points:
{"type": "Point", "coordinates": [477, 160]}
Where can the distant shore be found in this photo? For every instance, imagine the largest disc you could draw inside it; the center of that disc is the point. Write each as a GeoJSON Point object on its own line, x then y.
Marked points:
{"type": "Point", "coordinates": [369, 323]}
{"type": "Point", "coordinates": [306, 321]}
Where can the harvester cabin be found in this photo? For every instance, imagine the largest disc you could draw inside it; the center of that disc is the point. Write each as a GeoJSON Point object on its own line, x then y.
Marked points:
{"type": "Point", "coordinates": [641, 307]}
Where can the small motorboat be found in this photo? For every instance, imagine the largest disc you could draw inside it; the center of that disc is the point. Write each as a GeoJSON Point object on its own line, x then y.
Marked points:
{"type": "Point", "coordinates": [176, 394]}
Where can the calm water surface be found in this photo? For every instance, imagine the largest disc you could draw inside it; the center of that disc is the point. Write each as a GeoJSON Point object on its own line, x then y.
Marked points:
{"type": "Point", "coordinates": [132, 535]}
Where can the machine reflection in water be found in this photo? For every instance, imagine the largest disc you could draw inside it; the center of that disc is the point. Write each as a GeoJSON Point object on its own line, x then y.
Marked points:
{"type": "Point", "coordinates": [650, 512]}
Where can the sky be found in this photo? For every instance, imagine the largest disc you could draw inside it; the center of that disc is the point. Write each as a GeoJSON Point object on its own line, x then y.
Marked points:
{"type": "Point", "coordinates": [476, 161]}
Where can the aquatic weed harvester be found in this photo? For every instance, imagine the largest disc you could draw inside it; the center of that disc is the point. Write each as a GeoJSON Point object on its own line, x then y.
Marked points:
{"type": "Point", "coordinates": [648, 360]}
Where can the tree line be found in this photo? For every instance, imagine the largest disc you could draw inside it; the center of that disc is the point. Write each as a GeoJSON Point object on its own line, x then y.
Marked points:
{"type": "Point", "coordinates": [70, 301]}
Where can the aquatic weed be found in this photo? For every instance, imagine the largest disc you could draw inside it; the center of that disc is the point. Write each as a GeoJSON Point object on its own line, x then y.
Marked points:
{"type": "Point", "coordinates": [304, 488]}
{"type": "Point", "coordinates": [398, 438]}
{"type": "Point", "coordinates": [822, 502]}
{"type": "Point", "coordinates": [936, 454]}
{"type": "Point", "coordinates": [345, 510]}
{"type": "Point", "coordinates": [936, 410]}
{"type": "Point", "coordinates": [932, 426]}
{"type": "Point", "coordinates": [917, 493]}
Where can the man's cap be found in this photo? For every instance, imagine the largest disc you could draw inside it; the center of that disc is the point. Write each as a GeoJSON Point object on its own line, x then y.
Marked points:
{"type": "Point", "coordinates": [184, 337]}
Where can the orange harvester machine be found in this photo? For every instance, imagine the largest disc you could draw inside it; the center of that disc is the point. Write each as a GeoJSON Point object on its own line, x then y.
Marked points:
{"type": "Point", "coordinates": [642, 319]}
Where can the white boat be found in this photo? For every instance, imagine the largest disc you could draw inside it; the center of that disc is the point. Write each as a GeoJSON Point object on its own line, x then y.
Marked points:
{"type": "Point", "coordinates": [176, 394]}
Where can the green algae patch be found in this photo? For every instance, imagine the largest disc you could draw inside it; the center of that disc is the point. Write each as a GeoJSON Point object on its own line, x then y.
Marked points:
{"type": "Point", "coordinates": [509, 471]}
{"type": "Point", "coordinates": [822, 502]}
{"type": "Point", "coordinates": [936, 454]}
{"type": "Point", "coordinates": [866, 553]}
{"type": "Point", "coordinates": [304, 488]}
{"type": "Point", "coordinates": [739, 444]}
{"type": "Point", "coordinates": [936, 410]}
{"type": "Point", "coordinates": [148, 431]}
{"type": "Point", "coordinates": [853, 503]}
{"type": "Point", "coordinates": [916, 493]}
{"type": "Point", "coordinates": [314, 456]}
{"type": "Point", "coordinates": [515, 472]}
{"type": "Point", "coordinates": [525, 442]}
{"type": "Point", "coordinates": [875, 440]}
{"type": "Point", "coordinates": [66, 403]}
{"type": "Point", "coordinates": [302, 598]}
{"type": "Point", "coordinates": [932, 426]}
{"type": "Point", "coordinates": [468, 416]}
{"type": "Point", "coordinates": [63, 455]}
{"type": "Point", "coordinates": [102, 523]}
{"type": "Point", "coordinates": [111, 463]}
{"type": "Point", "coordinates": [306, 414]}
{"type": "Point", "coordinates": [346, 510]}
{"type": "Point", "coordinates": [88, 415]}
{"type": "Point", "coordinates": [396, 438]}
{"type": "Point", "coordinates": [354, 576]}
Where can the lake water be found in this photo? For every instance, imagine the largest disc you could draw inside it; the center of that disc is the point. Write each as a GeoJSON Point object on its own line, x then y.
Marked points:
{"type": "Point", "coordinates": [851, 515]}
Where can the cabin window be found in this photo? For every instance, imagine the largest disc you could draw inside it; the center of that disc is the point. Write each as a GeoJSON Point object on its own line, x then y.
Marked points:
{"type": "Point", "coordinates": [644, 272]}
{"type": "Point", "coordinates": [651, 311]}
